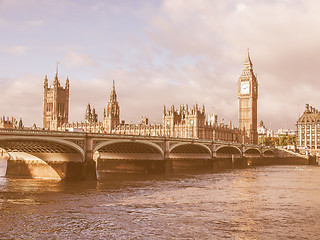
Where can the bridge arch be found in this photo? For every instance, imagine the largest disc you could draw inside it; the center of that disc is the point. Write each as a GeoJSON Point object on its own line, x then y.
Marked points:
{"type": "Point", "coordinates": [39, 144]}
{"type": "Point", "coordinates": [40, 157]}
{"type": "Point", "coordinates": [127, 156]}
{"type": "Point", "coordinates": [190, 156]}
{"type": "Point", "coordinates": [226, 151]}
{"type": "Point", "coordinates": [252, 152]}
{"type": "Point", "coordinates": [268, 153]}
{"type": "Point", "coordinates": [190, 148]}
{"type": "Point", "coordinates": [127, 146]}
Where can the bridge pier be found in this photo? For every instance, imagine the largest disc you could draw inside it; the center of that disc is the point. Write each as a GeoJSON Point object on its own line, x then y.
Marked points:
{"type": "Point", "coordinates": [167, 160]}
{"type": "Point", "coordinates": [46, 166]}
{"type": "Point", "coordinates": [89, 168]}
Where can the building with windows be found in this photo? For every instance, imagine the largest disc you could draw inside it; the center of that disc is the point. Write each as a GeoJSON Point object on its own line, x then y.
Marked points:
{"type": "Point", "coordinates": [308, 130]}
{"type": "Point", "coordinates": [10, 123]}
{"type": "Point", "coordinates": [182, 122]}
{"type": "Point", "coordinates": [55, 104]}
{"type": "Point", "coordinates": [248, 96]}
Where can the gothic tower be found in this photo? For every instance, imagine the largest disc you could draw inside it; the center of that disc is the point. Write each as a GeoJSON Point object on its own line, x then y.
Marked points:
{"type": "Point", "coordinates": [112, 112]}
{"type": "Point", "coordinates": [248, 95]}
{"type": "Point", "coordinates": [55, 104]}
{"type": "Point", "coordinates": [91, 116]}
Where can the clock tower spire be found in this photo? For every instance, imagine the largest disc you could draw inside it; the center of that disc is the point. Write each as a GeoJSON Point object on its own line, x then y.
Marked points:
{"type": "Point", "coordinates": [248, 96]}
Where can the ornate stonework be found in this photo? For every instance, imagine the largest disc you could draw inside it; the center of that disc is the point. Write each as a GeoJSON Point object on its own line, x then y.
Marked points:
{"type": "Point", "coordinates": [55, 104]}
{"type": "Point", "coordinates": [248, 95]}
{"type": "Point", "coordinates": [184, 122]}
{"type": "Point", "coordinates": [10, 123]}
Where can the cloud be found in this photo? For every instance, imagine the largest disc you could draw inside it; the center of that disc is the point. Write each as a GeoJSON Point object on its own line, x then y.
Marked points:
{"type": "Point", "coordinates": [77, 60]}
{"type": "Point", "coordinates": [241, 7]}
{"type": "Point", "coordinates": [283, 40]}
{"type": "Point", "coordinates": [15, 50]}
{"type": "Point", "coordinates": [22, 98]}
{"type": "Point", "coordinates": [207, 43]}
{"type": "Point", "coordinates": [34, 23]}
{"type": "Point", "coordinates": [182, 51]}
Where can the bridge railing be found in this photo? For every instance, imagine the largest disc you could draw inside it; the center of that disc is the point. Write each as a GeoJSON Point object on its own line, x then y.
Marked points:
{"type": "Point", "coordinates": [33, 132]}
{"type": "Point", "coordinates": [6, 131]}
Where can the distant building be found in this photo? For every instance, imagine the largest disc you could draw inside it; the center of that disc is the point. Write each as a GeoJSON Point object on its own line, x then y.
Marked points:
{"type": "Point", "coordinates": [182, 122]}
{"type": "Point", "coordinates": [10, 123]}
{"type": "Point", "coordinates": [308, 130]}
{"type": "Point", "coordinates": [91, 116]}
{"type": "Point", "coordinates": [248, 96]}
{"type": "Point", "coordinates": [111, 115]}
{"type": "Point", "coordinates": [262, 130]}
{"type": "Point", "coordinates": [55, 104]}
{"type": "Point", "coordinates": [285, 132]}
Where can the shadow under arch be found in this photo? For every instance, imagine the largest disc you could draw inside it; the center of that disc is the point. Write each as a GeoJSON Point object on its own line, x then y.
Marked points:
{"type": "Point", "coordinates": [128, 146]}
{"type": "Point", "coordinates": [49, 140]}
{"type": "Point", "coordinates": [252, 152]}
{"type": "Point", "coordinates": [127, 156]}
{"type": "Point", "coordinates": [228, 152]}
{"type": "Point", "coordinates": [189, 157]}
{"type": "Point", "coordinates": [268, 153]}
{"type": "Point", "coordinates": [190, 150]}
{"type": "Point", "coordinates": [41, 158]}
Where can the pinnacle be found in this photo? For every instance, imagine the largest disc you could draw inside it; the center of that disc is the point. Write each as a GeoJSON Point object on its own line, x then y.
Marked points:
{"type": "Point", "coordinates": [248, 60]}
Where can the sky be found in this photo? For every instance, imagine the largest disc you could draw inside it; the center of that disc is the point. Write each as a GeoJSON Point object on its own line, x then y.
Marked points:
{"type": "Point", "coordinates": [160, 52]}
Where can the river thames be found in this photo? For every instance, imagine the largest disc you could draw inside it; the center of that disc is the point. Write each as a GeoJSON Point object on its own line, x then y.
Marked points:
{"type": "Point", "coordinates": [274, 202]}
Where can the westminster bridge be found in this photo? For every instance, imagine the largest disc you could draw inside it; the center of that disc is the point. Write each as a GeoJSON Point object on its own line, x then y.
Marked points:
{"type": "Point", "coordinates": [79, 155]}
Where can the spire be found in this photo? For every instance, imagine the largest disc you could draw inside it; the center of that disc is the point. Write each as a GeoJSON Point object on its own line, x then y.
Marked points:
{"type": "Point", "coordinates": [247, 67]}
{"type": "Point", "coordinates": [113, 94]}
{"type": "Point", "coordinates": [45, 81]}
{"type": "Point", "coordinates": [247, 63]}
{"type": "Point", "coordinates": [57, 69]}
{"type": "Point", "coordinates": [88, 109]}
{"type": "Point", "coordinates": [56, 81]}
{"type": "Point", "coordinates": [67, 82]}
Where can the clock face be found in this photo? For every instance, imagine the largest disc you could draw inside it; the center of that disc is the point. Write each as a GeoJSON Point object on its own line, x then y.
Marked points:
{"type": "Point", "coordinates": [244, 88]}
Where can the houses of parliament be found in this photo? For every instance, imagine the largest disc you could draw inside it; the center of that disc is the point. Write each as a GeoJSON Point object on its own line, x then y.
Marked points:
{"type": "Point", "coordinates": [182, 122]}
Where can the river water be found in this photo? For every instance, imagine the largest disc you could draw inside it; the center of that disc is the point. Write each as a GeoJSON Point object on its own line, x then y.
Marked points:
{"type": "Point", "coordinates": [274, 202]}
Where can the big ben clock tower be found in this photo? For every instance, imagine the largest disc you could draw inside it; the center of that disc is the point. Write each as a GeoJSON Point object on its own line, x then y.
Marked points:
{"type": "Point", "coordinates": [248, 95]}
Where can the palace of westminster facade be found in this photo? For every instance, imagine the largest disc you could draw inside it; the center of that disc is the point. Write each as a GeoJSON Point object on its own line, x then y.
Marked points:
{"type": "Point", "coordinates": [185, 122]}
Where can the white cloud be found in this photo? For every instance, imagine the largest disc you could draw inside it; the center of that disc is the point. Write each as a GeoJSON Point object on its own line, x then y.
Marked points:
{"type": "Point", "coordinates": [189, 51]}
{"type": "Point", "coordinates": [78, 60]}
{"type": "Point", "coordinates": [22, 98]}
{"type": "Point", "coordinates": [282, 36]}
{"type": "Point", "coordinates": [241, 7]}
{"type": "Point", "coordinates": [15, 50]}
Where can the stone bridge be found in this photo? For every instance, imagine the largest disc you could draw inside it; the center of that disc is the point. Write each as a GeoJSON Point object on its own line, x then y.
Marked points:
{"type": "Point", "coordinates": [77, 155]}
